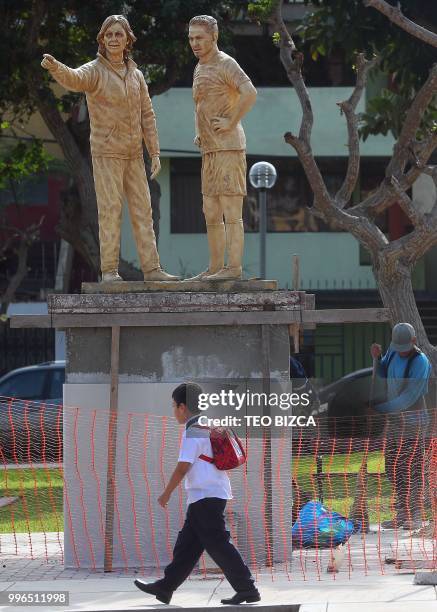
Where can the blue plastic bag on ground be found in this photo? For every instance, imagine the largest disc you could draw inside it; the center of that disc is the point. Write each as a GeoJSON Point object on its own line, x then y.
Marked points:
{"type": "Point", "coordinates": [316, 526]}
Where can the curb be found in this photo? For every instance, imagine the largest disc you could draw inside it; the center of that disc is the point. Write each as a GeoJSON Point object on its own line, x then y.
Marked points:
{"type": "Point", "coordinates": [429, 578]}
{"type": "Point", "coordinates": [258, 608]}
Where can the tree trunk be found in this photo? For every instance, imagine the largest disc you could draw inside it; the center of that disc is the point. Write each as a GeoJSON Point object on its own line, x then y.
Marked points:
{"type": "Point", "coordinates": [83, 177]}
{"type": "Point", "coordinates": [18, 277]}
{"type": "Point", "coordinates": [396, 289]}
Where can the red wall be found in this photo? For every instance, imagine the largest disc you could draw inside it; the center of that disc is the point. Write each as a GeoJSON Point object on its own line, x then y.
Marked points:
{"type": "Point", "coordinates": [398, 222]}
{"type": "Point", "coordinates": [23, 216]}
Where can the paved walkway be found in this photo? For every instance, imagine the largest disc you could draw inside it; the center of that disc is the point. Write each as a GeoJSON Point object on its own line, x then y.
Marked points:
{"type": "Point", "coordinates": [363, 583]}
{"type": "Point", "coordinates": [377, 594]}
{"type": "Point", "coordinates": [39, 556]}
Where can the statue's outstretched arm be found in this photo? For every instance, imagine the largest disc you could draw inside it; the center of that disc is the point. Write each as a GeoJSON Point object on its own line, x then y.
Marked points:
{"type": "Point", "coordinates": [83, 78]}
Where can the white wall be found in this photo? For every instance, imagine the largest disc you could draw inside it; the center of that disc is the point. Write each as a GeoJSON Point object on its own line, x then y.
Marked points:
{"type": "Point", "coordinates": [276, 111]}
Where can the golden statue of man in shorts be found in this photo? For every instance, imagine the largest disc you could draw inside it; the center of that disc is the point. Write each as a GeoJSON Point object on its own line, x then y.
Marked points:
{"type": "Point", "coordinates": [121, 117]}
{"type": "Point", "coordinates": [222, 94]}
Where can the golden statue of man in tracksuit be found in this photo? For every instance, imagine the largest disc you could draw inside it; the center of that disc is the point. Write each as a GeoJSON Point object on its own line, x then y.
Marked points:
{"type": "Point", "coordinates": [121, 116]}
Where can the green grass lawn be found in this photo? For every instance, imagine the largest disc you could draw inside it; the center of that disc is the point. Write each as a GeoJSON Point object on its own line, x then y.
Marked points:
{"type": "Point", "coordinates": [339, 489]}
{"type": "Point", "coordinates": [40, 507]}
{"type": "Point", "coordinates": [340, 463]}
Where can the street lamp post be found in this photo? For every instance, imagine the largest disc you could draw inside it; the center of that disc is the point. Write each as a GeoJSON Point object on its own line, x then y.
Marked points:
{"type": "Point", "coordinates": [262, 176]}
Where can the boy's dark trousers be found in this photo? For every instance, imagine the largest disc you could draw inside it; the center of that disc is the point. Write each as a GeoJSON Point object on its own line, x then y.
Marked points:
{"type": "Point", "coordinates": [204, 529]}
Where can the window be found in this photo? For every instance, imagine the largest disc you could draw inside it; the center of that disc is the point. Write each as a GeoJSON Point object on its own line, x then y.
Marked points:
{"type": "Point", "coordinates": [26, 385]}
{"type": "Point", "coordinates": [288, 203]}
{"type": "Point", "coordinates": [57, 379]}
{"type": "Point", "coordinates": [186, 216]}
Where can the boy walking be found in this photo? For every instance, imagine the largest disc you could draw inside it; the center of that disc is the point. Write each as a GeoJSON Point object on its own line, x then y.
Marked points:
{"type": "Point", "coordinates": [204, 528]}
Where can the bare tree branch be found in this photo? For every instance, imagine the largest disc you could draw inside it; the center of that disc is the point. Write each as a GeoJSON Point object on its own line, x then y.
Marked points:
{"type": "Point", "coordinates": [413, 246]}
{"type": "Point", "coordinates": [17, 278]}
{"type": "Point", "coordinates": [384, 197]}
{"type": "Point", "coordinates": [27, 238]}
{"type": "Point", "coordinates": [348, 107]}
{"type": "Point", "coordinates": [430, 171]}
{"type": "Point", "coordinates": [5, 246]}
{"type": "Point", "coordinates": [292, 63]}
{"type": "Point", "coordinates": [395, 15]}
{"type": "Point", "coordinates": [392, 262]}
{"type": "Point", "coordinates": [413, 119]}
{"type": "Point", "coordinates": [313, 174]}
{"type": "Point", "coordinates": [39, 9]}
{"type": "Point", "coordinates": [406, 203]}
{"type": "Point", "coordinates": [359, 226]}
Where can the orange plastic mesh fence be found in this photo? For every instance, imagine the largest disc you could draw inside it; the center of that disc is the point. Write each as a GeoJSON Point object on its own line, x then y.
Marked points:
{"type": "Point", "coordinates": [64, 494]}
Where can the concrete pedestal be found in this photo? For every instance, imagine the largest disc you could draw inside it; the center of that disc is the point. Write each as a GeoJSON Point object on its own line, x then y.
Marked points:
{"type": "Point", "coordinates": [153, 359]}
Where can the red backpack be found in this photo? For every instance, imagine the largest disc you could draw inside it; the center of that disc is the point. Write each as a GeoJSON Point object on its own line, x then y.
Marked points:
{"type": "Point", "coordinates": [227, 449]}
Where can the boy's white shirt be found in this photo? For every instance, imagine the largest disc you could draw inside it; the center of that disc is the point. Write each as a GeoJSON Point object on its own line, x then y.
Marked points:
{"type": "Point", "coordinates": [203, 479]}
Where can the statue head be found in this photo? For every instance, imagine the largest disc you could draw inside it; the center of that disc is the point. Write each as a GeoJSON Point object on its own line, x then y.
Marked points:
{"type": "Point", "coordinates": [119, 20]}
{"type": "Point", "coordinates": [203, 34]}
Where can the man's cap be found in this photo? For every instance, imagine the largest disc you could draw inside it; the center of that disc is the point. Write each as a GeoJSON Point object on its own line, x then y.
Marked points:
{"type": "Point", "coordinates": [402, 337]}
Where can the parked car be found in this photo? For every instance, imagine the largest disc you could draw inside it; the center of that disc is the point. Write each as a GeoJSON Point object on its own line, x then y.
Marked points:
{"type": "Point", "coordinates": [359, 379]}
{"type": "Point", "coordinates": [345, 402]}
{"type": "Point", "coordinates": [31, 413]}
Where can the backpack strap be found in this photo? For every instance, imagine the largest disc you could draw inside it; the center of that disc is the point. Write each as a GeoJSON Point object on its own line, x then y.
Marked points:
{"type": "Point", "coordinates": [411, 358]}
{"type": "Point", "coordinates": [204, 457]}
{"type": "Point", "coordinates": [390, 357]}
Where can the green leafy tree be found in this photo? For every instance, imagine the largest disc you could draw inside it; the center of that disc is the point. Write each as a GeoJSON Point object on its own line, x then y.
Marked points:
{"type": "Point", "coordinates": [355, 28]}
{"type": "Point", "coordinates": [351, 27]}
{"type": "Point", "coordinates": [392, 260]}
{"type": "Point", "coordinates": [67, 29]}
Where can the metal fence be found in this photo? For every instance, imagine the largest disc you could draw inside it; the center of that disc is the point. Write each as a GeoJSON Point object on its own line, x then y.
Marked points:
{"type": "Point", "coordinates": [341, 349]}
{"type": "Point", "coordinates": [21, 347]}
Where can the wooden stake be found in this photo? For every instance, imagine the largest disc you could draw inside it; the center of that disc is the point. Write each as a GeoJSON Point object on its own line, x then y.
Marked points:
{"type": "Point", "coordinates": [294, 332]}
{"type": "Point", "coordinates": [112, 444]}
{"type": "Point", "coordinates": [360, 508]}
{"type": "Point", "coordinates": [360, 511]}
{"type": "Point", "coordinates": [296, 273]}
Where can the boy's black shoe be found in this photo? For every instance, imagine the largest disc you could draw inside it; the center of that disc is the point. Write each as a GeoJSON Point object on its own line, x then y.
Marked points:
{"type": "Point", "coordinates": [155, 590]}
{"type": "Point", "coordinates": [243, 596]}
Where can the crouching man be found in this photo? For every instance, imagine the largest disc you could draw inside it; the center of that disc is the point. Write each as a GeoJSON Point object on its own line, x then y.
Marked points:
{"type": "Point", "coordinates": [407, 371]}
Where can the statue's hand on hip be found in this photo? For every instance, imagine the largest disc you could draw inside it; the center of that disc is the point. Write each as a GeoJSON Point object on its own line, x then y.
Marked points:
{"type": "Point", "coordinates": [221, 124]}
{"type": "Point", "coordinates": [48, 62]}
{"type": "Point", "coordinates": [155, 167]}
